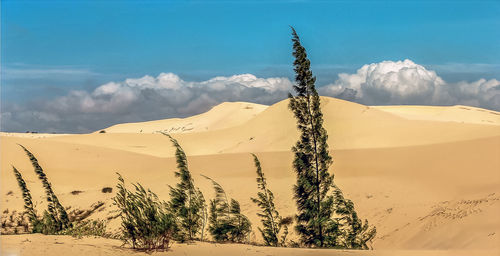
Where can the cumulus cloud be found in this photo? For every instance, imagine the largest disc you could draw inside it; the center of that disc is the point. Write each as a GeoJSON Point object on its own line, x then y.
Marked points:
{"type": "Point", "coordinates": [140, 99]}
{"type": "Point", "coordinates": [405, 82]}
{"type": "Point", "coordinates": [167, 96]}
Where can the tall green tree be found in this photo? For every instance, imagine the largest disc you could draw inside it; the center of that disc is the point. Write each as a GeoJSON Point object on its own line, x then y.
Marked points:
{"type": "Point", "coordinates": [186, 201]}
{"type": "Point", "coordinates": [311, 157]}
{"type": "Point", "coordinates": [271, 220]}
{"type": "Point", "coordinates": [56, 212]}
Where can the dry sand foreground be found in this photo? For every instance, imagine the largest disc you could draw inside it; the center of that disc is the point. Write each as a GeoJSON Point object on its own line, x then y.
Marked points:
{"type": "Point", "coordinates": [427, 177]}
{"type": "Point", "coordinates": [40, 245]}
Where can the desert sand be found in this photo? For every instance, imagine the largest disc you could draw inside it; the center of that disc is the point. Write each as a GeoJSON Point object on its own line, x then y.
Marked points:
{"type": "Point", "coordinates": [427, 177]}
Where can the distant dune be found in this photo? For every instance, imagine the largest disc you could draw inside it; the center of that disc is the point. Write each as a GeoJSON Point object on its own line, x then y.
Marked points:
{"type": "Point", "coordinates": [427, 177]}
{"type": "Point", "coordinates": [459, 114]}
{"type": "Point", "coordinates": [224, 115]}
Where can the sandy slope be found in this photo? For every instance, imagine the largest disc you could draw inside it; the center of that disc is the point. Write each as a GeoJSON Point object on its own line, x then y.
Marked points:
{"type": "Point", "coordinates": [426, 185]}
{"type": "Point", "coordinates": [227, 114]}
{"type": "Point", "coordinates": [460, 114]}
{"type": "Point", "coordinates": [39, 245]}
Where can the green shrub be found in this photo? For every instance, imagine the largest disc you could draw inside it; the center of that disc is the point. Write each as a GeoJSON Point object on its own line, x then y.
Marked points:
{"type": "Point", "coordinates": [226, 222]}
{"type": "Point", "coordinates": [186, 201]}
{"type": "Point", "coordinates": [146, 221]}
{"type": "Point", "coordinates": [271, 220]}
{"type": "Point", "coordinates": [87, 228]}
{"type": "Point", "coordinates": [354, 233]}
{"type": "Point", "coordinates": [58, 216]}
{"type": "Point", "coordinates": [28, 203]}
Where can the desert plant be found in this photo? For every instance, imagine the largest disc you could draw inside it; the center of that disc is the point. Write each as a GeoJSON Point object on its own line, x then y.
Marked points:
{"type": "Point", "coordinates": [226, 222]}
{"type": "Point", "coordinates": [186, 201]}
{"type": "Point", "coordinates": [311, 158]}
{"type": "Point", "coordinates": [271, 220]}
{"type": "Point", "coordinates": [204, 215]}
{"type": "Point", "coordinates": [86, 228]}
{"type": "Point", "coordinates": [58, 215]}
{"type": "Point", "coordinates": [28, 203]}
{"type": "Point", "coordinates": [284, 222]}
{"type": "Point", "coordinates": [146, 221]}
{"type": "Point", "coordinates": [106, 190]}
{"type": "Point", "coordinates": [355, 233]}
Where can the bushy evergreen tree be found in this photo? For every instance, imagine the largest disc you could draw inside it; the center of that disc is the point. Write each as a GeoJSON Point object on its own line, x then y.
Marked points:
{"type": "Point", "coordinates": [325, 219]}
{"type": "Point", "coordinates": [187, 202]}
{"type": "Point", "coordinates": [271, 220]}
{"type": "Point", "coordinates": [311, 158]}
{"type": "Point", "coordinates": [226, 222]}
{"type": "Point", "coordinates": [146, 221]}
{"type": "Point", "coordinates": [56, 216]}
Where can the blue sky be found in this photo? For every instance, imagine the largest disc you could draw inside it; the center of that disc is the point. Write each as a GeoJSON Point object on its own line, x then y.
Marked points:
{"type": "Point", "coordinates": [50, 48]}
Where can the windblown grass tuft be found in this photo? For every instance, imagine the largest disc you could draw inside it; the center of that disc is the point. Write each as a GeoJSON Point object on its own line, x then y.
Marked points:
{"type": "Point", "coordinates": [146, 221]}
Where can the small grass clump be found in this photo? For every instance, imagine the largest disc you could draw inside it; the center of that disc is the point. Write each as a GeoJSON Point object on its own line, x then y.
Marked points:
{"type": "Point", "coordinates": [87, 228]}
{"type": "Point", "coordinates": [107, 190]}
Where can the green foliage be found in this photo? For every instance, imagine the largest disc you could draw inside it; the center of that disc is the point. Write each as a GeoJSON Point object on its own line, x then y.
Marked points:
{"type": "Point", "coordinates": [186, 201]}
{"type": "Point", "coordinates": [48, 224]}
{"type": "Point", "coordinates": [324, 219]}
{"type": "Point", "coordinates": [28, 203]}
{"type": "Point", "coordinates": [354, 233]}
{"type": "Point", "coordinates": [56, 215]}
{"type": "Point", "coordinates": [285, 222]}
{"type": "Point", "coordinates": [311, 158]}
{"type": "Point", "coordinates": [87, 228]}
{"type": "Point", "coordinates": [204, 215]}
{"type": "Point", "coordinates": [226, 222]}
{"type": "Point", "coordinates": [271, 220]}
{"type": "Point", "coordinates": [146, 221]}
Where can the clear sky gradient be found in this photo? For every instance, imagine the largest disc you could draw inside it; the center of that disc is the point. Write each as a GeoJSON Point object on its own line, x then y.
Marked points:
{"type": "Point", "coordinates": [51, 47]}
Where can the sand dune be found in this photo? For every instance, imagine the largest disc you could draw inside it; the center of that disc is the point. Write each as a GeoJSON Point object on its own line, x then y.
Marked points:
{"type": "Point", "coordinates": [225, 115]}
{"type": "Point", "coordinates": [459, 114]}
{"type": "Point", "coordinates": [426, 184]}
{"type": "Point", "coordinates": [349, 125]}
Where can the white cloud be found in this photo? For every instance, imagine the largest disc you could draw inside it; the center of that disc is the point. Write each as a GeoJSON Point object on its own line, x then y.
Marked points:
{"type": "Point", "coordinates": [404, 82]}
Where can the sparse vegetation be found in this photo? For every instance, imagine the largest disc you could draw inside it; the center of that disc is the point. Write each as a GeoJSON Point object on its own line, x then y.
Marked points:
{"type": "Point", "coordinates": [354, 233]}
{"type": "Point", "coordinates": [186, 201]}
{"type": "Point", "coordinates": [271, 220]}
{"type": "Point", "coordinates": [226, 222]}
{"type": "Point", "coordinates": [56, 216]}
{"type": "Point", "coordinates": [146, 221]}
{"type": "Point", "coordinates": [28, 203]}
{"type": "Point", "coordinates": [107, 190]}
{"type": "Point", "coordinates": [55, 219]}
{"type": "Point", "coordinates": [87, 228]}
